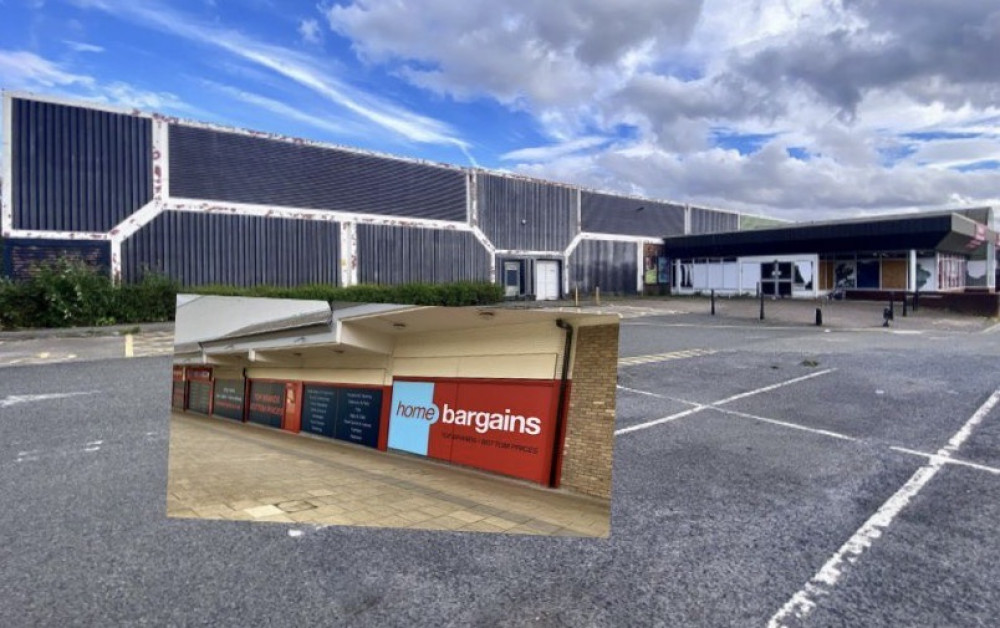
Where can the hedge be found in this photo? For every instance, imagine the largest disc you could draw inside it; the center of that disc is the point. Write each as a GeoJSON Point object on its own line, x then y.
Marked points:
{"type": "Point", "coordinates": [68, 294]}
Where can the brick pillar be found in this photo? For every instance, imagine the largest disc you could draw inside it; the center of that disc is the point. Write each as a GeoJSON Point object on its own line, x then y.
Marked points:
{"type": "Point", "coordinates": [587, 450]}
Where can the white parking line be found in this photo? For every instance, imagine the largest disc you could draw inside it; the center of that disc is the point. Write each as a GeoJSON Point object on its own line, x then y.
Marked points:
{"type": "Point", "coordinates": [945, 460]}
{"type": "Point", "coordinates": [773, 387]}
{"type": "Point", "coordinates": [805, 599]}
{"type": "Point", "coordinates": [11, 400]}
{"type": "Point", "coordinates": [700, 407]}
{"type": "Point", "coordinates": [794, 426]}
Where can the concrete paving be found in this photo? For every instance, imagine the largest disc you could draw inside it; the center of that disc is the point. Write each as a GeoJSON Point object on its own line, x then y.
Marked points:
{"type": "Point", "coordinates": [222, 469]}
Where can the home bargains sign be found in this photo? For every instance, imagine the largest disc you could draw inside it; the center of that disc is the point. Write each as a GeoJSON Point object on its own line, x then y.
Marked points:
{"type": "Point", "coordinates": [503, 426]}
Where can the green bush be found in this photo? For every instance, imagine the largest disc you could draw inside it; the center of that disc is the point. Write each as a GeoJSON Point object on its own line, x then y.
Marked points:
{"type": "Point", "coordinates": [453, 294]}
{"type": "Point", "coordinates": [70, 294]}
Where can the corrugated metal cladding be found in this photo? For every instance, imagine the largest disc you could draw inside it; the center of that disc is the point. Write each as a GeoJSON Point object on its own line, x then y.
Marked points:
{"type": "Point", "coordinates": [22, 258]}
{"type": "Point", "coordinates": [610, 265]}
{"type": "Point", "coordinates": [77, 169]}
{"type": "Point", "coordinates": [712, 221]}
{"type": "Point", "coordinates": [393, 255]}
{"type": "Point", "coordinates": [604, 213]}
{"type": "Point", "coordinates": [526, 215]}
{"type": "Point", "coordinates": [198, 249]}
{"type": "Point", "coordinates": [219, 166]}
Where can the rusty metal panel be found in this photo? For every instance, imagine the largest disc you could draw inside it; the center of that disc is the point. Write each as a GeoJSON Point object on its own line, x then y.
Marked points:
{"type": "Point", "coordinates": [394, 255]}
{"type": "Point", "coordinates": [76, 168]}
{"type": "Point", "coordinates": [219, 166]}
{"type": "Point", "coordinates": [198, 249]}
{"type": "Point", "coordinates": [610, 265]}
{"type": "Point", "coordinates": [623, 215]}
{"type": "Point", "coordinates": [521, 214]}
{"type": "Point", "coordinates": [713, 221]}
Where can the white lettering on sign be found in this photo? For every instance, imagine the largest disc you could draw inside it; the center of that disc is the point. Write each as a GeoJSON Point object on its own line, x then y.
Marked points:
{"type": "Point", "coordinates": [482, 421]}
{"type": "Point", "coordinates": [486, 421]}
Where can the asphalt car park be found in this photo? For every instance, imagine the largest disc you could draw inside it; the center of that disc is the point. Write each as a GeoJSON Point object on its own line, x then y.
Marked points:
{"type": "Point", "coordinates": [764, 472]}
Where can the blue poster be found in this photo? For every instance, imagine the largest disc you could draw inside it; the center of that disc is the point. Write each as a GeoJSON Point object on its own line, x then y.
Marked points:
{"type": "Point", "coordinates": [411, 415]}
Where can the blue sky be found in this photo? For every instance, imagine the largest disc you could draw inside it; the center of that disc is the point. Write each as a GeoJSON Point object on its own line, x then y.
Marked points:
{"type": "Point", "coordinates": [791, 108]}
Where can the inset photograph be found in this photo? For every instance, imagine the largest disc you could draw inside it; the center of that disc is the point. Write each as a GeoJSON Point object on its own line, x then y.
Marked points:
{"type": "Point", "coordinates": [478, 419]}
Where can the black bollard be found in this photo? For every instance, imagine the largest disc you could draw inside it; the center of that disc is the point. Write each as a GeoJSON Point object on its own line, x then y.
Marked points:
{"type": "Point", "coordinates": [762, 305]}
{"type": "Point", "coordinates": [713, 302]}
{"type": "Point", "coordinates": [916, 296]}
{"type": "Point", "coordinates": [819, 316]}
{"type": "Point", "coordinates": [904, 305]}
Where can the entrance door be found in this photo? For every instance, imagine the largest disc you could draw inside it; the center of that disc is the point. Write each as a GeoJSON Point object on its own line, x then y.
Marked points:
{"type": "Point", "coordinates": [547, 280]}
{"type": "Point", "coordinates": [511, 279]}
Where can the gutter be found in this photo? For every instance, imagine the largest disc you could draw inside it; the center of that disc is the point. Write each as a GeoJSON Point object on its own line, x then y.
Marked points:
{"type": "Point", "coordinates": [561, 409]}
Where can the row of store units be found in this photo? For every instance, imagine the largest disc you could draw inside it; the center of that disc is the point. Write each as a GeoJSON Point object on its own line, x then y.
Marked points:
{"type": "Point", "coordinates": [930, 253]}
{"type": "Point", "coordinates": [486, 389]}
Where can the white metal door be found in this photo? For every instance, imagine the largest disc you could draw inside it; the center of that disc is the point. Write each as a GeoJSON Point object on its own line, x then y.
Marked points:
{"type": "Point", "coordinates": [546, 280]}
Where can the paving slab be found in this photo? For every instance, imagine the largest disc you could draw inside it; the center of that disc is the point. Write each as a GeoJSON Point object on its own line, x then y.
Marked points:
{"type": "Point", "coordinates": [217, 465]}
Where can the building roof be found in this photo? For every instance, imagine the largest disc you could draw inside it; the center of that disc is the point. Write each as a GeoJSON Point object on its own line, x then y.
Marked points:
{"type": "Point", "coordinates": [952, 232]}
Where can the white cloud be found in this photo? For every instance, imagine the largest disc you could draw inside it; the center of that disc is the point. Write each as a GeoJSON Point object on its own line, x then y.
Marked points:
{"type": "Point", "coordinates": [303, 69]}
{"type": "Point", "coordinates": [554, 151]}
{"type": "Point", "coordinates": [24, 70]}
{"type": "Point", "coordinates": [309, 31]}
{"type": "Point", "coordinates": [80, 46]}
{"type": "Point", "coordinates": [280, 108]}
{"type": "Point", "coordinates": [21, 69]}
{"type": "Point", "coordinates": [845, 80]}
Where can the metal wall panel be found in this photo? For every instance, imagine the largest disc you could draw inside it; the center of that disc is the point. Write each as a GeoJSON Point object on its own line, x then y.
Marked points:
{"type": "Point", "coordinates": [394, 255]}
{"type": "Point", "coordinates": [77, 169]}
{"type": "Point", "coordinates": [526, 215]}
{"type": "Point", "coordinates": [219, 166]}
{"type": "Point", "coordinates": [199, 249]}
{"type": "Point", "coordinates": [23, 257]}
{"type": "Point", "coordinates": [713, 221]}
{"type": "Point", "coordinates": [605, 213]}
{"type": "Point", "coordinates": [610, 265]}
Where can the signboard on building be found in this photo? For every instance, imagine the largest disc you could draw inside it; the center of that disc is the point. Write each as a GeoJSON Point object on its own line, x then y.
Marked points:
{"type": "Point", "coordinates": [267, 403]}
{"type": "Point", "coordinates": [177, 397]}
{"type": "Point", "coordinates": [656, 271]}
{"type": "Point", "coordinates": [199, 396]}
{"type": "Point", "coordinates": [349, 414]}
{"type": "Point", "coordinates": [503, 426]}
{"type": "Point", "coordinates": [228, 400]}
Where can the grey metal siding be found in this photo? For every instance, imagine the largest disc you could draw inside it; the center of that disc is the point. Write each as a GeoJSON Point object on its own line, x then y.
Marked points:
{"type": "Point", "coordinates": [220, 166]}
{"type": "Point", "coordinates": [526, 215]}
{"type": "Point", "coordinates": [393, 255]}
{"type": "Point", "coordinates": [609, 265]}
{"type": "Point", "coordinates": [199, 249]}
{"type": "Point", "coordinates": [22, 258]}
{"type": "Point", "coordinates": [713, 221]}
{"type": "Point", "coordinates": [77, 169]}
{"type": "Point", "coordinates": [605, 213]}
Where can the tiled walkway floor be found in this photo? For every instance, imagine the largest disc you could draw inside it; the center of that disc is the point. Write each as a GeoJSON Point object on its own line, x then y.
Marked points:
{"type": "Point", "coordinates": [221, 469]}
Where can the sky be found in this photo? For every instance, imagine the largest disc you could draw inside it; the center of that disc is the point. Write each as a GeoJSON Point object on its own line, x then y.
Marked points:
{"type": "Point", "coordinates": [794, 109]}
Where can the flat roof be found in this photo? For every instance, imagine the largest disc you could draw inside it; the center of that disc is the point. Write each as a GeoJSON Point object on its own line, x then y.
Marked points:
{"type": "Point", "coordinates": [943, 231]}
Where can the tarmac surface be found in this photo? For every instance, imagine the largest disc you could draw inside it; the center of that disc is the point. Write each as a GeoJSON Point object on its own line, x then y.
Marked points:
{"type": "Point", "coordinates": [765, 473]}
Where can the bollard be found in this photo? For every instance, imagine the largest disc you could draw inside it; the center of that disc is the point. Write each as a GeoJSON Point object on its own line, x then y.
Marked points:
{"type": "Point", "coordinates": [916, 295]}
{"type": "Point", "coordinates": [597, 293]}
{"type": "Point", "coordinates": [713, 302]}
{"type": "Point", "coordinates": [886, 315]}
{"type": "Point", "coordinates": [819, 316]}
{"type": "Point", "coordinates": [761, 305]}
{"type": "Point", "coordinates": [904, 305]}
{"type": "Point", "coordinates": [576, 296]}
